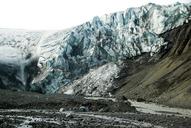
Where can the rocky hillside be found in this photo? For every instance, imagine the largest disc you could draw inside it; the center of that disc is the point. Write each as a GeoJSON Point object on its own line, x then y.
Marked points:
{"type": "Point", "coordinates": [168, 80]}
{"type": "Point", "coordinates": [69, 61]}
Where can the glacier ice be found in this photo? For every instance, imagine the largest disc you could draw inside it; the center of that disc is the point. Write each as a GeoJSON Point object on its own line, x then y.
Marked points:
{"type": "Point", "coordinates": [95, 83]}
{"type": "Point", "coordinates": [64, 56]}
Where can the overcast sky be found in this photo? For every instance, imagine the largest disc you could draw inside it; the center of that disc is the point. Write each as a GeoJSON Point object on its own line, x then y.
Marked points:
{"type": "Point", "coordinates": [60, 14]}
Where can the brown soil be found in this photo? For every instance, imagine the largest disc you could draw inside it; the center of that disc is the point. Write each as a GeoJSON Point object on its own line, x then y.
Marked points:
{"type": "Point", "coordinates": [168, 80]}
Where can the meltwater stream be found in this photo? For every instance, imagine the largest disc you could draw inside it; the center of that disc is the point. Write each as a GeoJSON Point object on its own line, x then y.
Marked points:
{"type": "Point", "coordinates": [153, 108]}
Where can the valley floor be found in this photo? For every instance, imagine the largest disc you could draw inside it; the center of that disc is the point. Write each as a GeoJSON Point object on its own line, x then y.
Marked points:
{"type": "Point", "coordinates": [32, 110]}
{"type": "Point", "coordinates": [55, 119]}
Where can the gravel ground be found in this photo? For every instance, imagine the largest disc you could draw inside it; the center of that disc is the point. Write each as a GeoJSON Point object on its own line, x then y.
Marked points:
{"type": "Point", "coordinates": [32, 110]}
{"type": "Point", "coordinates": [69, 119]}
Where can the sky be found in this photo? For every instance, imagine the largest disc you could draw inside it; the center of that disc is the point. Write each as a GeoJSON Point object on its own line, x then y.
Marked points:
{"type": "Point", "coordinates": [62, 14]}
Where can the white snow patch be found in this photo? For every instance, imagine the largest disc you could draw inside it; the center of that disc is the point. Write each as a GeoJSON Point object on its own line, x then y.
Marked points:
{"type": "Point", "coordinates": [69, 91]}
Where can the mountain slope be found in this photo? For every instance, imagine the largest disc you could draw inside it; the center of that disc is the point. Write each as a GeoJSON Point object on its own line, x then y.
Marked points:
{"type": "Point", "coordinates": [167, 81]}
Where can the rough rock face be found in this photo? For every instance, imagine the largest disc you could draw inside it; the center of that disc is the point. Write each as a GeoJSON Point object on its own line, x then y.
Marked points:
{"type": "Point", "coordinates": [64, 56]}
{"type": "Point", "coordinates": [167, 81]}
{"type": "Point", "coordinates": [179, 39]}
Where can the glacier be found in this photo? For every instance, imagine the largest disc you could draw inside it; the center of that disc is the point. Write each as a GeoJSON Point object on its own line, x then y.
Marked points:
{"type": "Point", "coordinates": [96, 83]}
{"type": "Point", "coordinates": [65, 59]}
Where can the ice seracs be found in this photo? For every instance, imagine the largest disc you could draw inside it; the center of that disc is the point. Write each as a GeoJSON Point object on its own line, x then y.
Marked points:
{"type": "Point", "coordinates": [65, 56]}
